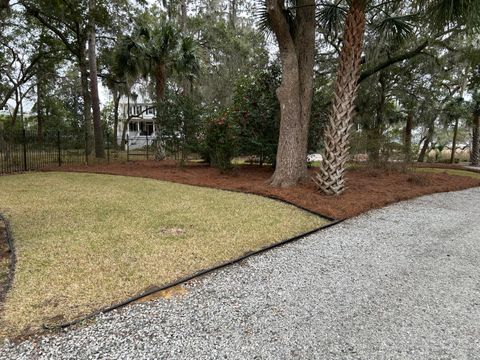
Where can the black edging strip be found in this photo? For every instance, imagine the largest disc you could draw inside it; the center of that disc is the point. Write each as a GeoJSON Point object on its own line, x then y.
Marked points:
{"type": "Point", "coordinates": [188, 278]}
{"type": "Point", "coordinates": [11, 250]}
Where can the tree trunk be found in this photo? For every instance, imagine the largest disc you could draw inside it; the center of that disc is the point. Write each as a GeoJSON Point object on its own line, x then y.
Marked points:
{"type": "Point", "coordinates": [82, 63]}
{"type": "Point", "coordinates": [232, 14]}
{"type": "Point", "coordinates": [40, 106]}
{"type": "Point", "coordinates": [186, 84]}
{"type": "Point", "coordinates": [375, 134]}
{"type": "Point", "coordinates": [160, 82]}
{"type": "Point", "coordinates": [92, 60]}
{"type": "Point", "coordinates": [474, 156]}
{"type": "Point", "coordinates": [295, 92]}
{"type": "Point", "coordinates": [4, 4]}
{"type": "Point", "coordinates": [116, 103]}
{"type": "Point", "coordinates": [183, 15]}
{"type": "Point", "coordinates": [15, 109]}
{"type": "Point", "coordinates": [408, 137]}
{"type": "Point", "coordinates": [428, 140]}
{"type": "Point", "coordinates": [123, 142]}
{"type": "Point", "coordinates": [331, 177]}
{"type": "Point", "coordinates": [454, 141]}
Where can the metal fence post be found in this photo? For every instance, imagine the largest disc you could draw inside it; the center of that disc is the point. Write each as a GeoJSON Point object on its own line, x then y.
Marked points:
{"type": "Point", "coordinates": [24, 138]}
{"type": "Point", "coordinates": [128, 149]}
{"type": "Point", "coordinates": [59, 149]}
{"type": "Point", "coordinates": [86, 147]}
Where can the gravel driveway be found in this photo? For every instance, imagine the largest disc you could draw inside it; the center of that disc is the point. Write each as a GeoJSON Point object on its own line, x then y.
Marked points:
{"type": "Point", "coordinates": [398, 283]}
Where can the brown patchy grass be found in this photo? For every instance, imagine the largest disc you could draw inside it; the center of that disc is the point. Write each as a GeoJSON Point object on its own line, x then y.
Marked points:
{"type": "Point", "coordinates": [85, 241]}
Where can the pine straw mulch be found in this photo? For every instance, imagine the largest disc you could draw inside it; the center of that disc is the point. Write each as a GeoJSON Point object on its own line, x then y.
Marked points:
{"type": "Point", "coordinates": [367, 189]}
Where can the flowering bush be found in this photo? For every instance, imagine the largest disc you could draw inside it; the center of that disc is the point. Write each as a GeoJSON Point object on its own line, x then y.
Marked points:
{"type": "Point", "coordinates": [221, 140]}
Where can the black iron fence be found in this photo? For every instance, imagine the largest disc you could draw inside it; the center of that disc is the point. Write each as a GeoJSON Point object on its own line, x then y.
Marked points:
{"type": "Point", "coordinates": [26, 150]}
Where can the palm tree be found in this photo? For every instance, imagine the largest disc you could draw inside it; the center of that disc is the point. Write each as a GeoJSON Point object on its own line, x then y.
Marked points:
{"type": "Point", "coordinates": [156, 49]}
{"type": "Point", "coordinates": [444, 13]}
{"type": "Point", "coordinates": [331, 179]}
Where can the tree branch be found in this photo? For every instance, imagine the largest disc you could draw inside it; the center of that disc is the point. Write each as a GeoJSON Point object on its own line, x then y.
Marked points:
{"type": "Point", "coordinates": [365, 74]}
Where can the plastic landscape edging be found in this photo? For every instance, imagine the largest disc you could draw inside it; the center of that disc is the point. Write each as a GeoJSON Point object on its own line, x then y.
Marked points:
{"type": "Point", "coordinates": [188, 278]}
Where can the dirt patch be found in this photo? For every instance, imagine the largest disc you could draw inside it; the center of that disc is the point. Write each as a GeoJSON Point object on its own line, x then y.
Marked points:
{"type": "Point", "coordinates": [175, 291]}
{"type": "Point", "coordinates": [365, 190]}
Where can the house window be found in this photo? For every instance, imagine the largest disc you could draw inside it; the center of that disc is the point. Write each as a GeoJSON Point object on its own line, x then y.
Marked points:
{"type": "Point", "coordinates": [138, 109]}
{"type": "Point", "coordinates": [150, 110]}
{"type": "Point", "coordinates": [149, 128]}
{"type": "Point", "coordinates": [146, 128]}
{"type": "Point", "coordinates": [132, 126]}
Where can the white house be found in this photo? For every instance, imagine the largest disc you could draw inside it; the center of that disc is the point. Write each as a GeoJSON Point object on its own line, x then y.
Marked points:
{"type": "Point", "coordinates": [6, 111]}
{"type": "Point", "coordinates": [141, 126]}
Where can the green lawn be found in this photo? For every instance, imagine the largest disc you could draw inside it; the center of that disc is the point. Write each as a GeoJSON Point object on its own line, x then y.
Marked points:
{"type": "Point", "coordinates": [85, 241]}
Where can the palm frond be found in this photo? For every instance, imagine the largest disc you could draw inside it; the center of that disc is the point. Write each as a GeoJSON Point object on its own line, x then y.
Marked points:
{"type": "Point", "coordinates": [263, 20]}
{"type": "Point", "coordinates": [448, 13]}
{"type": "Point", "coordinates": [330, 16]}
{"type": "Point", "coordinates": [394, 30]}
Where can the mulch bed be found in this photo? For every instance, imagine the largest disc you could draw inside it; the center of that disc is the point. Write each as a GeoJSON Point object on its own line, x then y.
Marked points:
{"type": "Point", "coordinates": [367, 189]}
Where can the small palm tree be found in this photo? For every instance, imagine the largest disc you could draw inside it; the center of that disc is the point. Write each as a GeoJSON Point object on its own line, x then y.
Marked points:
{"type": "Point", "coordinates": [157, 49]}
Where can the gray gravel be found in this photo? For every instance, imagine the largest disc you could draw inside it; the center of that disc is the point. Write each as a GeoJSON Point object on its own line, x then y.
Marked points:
{"type": "Point", "coordinates": [398, 283]}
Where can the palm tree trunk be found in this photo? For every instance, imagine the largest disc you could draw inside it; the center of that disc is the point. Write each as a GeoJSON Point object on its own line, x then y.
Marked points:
{"type": "Point", "coordinates": [474, 156]}
{"type": "Point", "coordinates": [331, 177]}
{"type": "Point", "coordinates": [160, 82]}
{"type": "Point", "coordinates": [295, 92]}
{"type": "Point", "coordinates": [92, 60]}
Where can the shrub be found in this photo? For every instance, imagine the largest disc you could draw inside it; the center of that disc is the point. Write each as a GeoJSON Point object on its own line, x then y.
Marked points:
{"type": "Point", "coordinates": [221, 141]}
{"type": "Point", "coordinates": [181, 120]}
{"type": "Point", "coordinates": [257, 114]}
